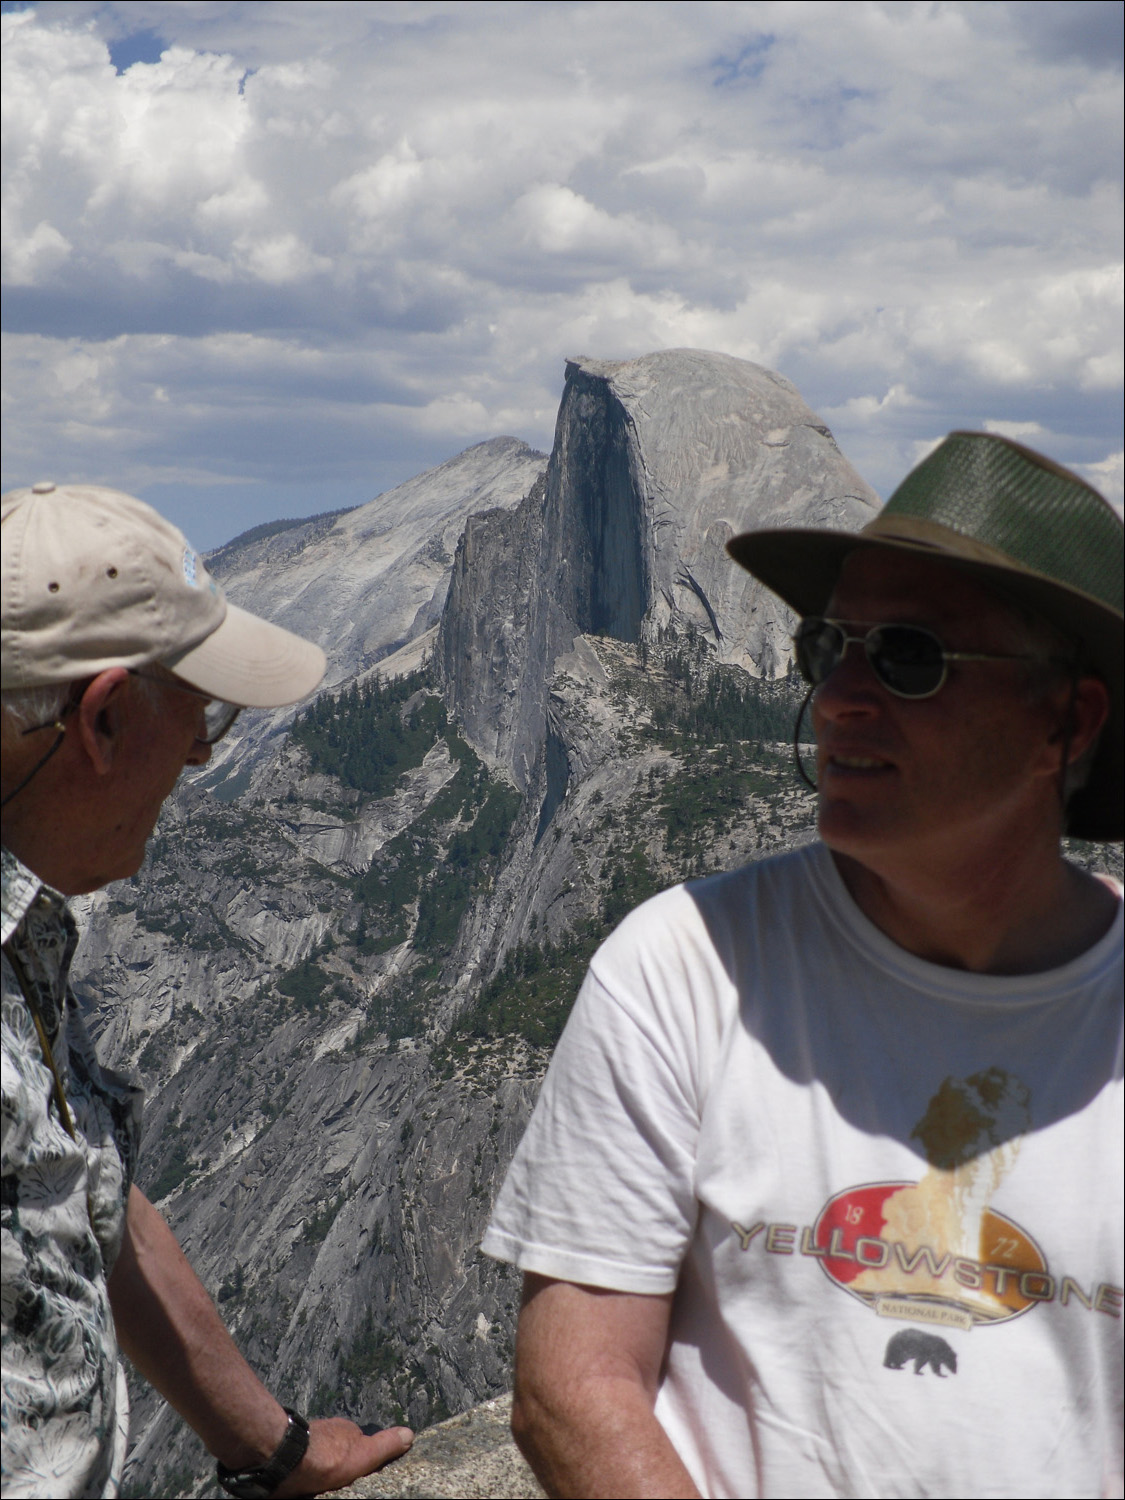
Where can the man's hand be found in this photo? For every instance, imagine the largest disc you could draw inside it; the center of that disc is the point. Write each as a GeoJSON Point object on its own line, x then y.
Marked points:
{"type": "Point", "coordinates": [587, 1368]}
{"type": "Point", "coordinates": [339, 1452]}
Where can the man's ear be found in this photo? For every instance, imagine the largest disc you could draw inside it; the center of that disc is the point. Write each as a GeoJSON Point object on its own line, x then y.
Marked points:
{"type": "Point", "coordinates": [1088, 710]}
{"type": "Point", "coordinates": [100, 718]}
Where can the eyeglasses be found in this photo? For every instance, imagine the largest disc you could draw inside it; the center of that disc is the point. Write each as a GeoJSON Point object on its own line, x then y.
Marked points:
{"type": "Point", "coordinates": [908, 660]}
{"type": "Point", "coordinates": [218, 715]}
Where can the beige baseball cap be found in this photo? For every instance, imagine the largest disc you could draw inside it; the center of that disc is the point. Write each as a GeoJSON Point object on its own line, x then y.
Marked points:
{"type": "Point", "coordinates": [93, 578]}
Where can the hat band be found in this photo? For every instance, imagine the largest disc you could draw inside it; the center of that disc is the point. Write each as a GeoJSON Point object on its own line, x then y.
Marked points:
{"type": "Point", "coordinates": [916, 532]}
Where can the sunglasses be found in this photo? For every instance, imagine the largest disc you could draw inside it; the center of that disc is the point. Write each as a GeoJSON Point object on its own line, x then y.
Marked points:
{"type": "Point", "coordinates": [908, 660]}
{"type": "Point", "coordinates": [218, 715]}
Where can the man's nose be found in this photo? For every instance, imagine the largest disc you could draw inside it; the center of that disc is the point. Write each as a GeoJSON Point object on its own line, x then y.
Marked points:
{"type": "Point", "coordinates": [850, 687]}
{"type": "Point", "coordinates": [200, 752]}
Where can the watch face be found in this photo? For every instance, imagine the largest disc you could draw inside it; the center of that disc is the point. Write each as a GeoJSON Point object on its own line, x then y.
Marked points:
{"type": "Point", "coordinates": [245, 1487]}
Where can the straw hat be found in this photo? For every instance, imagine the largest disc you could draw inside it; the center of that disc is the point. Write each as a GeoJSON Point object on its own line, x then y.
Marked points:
{"type": "Point", "coordinates": [1016, 522]}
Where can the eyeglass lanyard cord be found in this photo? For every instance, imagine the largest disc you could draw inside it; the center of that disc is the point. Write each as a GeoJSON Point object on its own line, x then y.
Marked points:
{"type": "Point", "coordinates": [48, 1056]}
{"type": "Point", "coordinates": [39, 764]}
{"type": "Point", "coordinates": [804, 775]}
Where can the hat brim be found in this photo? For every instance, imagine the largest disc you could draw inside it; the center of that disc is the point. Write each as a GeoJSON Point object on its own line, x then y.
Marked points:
{"type": "Point", "coordinates": [802, 567]}
{"type": "Point", "coordinates": [251, 662]}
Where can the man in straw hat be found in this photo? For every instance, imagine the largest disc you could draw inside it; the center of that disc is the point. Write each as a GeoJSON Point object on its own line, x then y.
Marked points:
{"type": "Point", "coordinates": [822, 1195]}
{"type": "Point", "coordinates": [122, 664]}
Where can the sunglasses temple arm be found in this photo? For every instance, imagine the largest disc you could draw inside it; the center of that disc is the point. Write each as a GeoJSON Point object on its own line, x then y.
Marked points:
{"type": "Point", "coordinates": [804, 775]}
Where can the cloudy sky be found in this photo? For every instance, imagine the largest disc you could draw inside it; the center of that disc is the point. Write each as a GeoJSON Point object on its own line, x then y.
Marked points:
{"type": "Point", "coordinates": [269, 259]}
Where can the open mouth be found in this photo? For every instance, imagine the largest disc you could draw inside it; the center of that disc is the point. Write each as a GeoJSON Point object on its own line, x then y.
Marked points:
{"type": "Point", "coordinates": [858, 763]}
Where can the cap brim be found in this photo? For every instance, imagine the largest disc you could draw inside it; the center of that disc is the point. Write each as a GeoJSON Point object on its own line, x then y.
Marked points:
{"type": "Point", "coordinates": [251, 662]}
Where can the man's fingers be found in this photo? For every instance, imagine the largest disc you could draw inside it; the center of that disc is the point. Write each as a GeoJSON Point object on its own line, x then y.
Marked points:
{"type": "Point", "coordinates": [392, 1442]}
{"type": "Point", "coordinates": [340, 1452]}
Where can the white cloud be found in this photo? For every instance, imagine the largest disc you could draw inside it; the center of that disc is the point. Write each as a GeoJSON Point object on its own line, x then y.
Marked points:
{"type": "Point", "coordinates": [415, 210]}
{"type": "Point", "coordinates": [922, 448]}
{"type": "Point", "coordinates": [1108, 475]}
{"type": "Point", "coordinates": [278, 258]}
{"type": "Point", "coordinates": [1015, 430]}
{"type": "Point", "coordinates": [33, 255]}
{"type": "Point", "coordinates": [870, 408]}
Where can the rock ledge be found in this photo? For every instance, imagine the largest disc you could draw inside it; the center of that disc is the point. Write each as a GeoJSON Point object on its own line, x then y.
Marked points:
{"type": "Point", "coordinates": [471, 1456]}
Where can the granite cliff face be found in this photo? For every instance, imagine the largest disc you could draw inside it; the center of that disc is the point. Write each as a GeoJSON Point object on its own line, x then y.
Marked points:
{"type": "Point", "coordinates": [367, 583]}
{"type": "Point", "coordinates": [343, 966]}
{"type": "Point", "coordinates": [657, 463]}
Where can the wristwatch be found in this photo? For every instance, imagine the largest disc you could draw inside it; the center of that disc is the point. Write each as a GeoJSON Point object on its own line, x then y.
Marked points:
{"type": "Point", "coordinates": [258, 1484]}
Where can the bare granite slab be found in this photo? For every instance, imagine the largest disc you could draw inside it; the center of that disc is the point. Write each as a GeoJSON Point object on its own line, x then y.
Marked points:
{"type": "Point", "coordinates": [470, 1456]}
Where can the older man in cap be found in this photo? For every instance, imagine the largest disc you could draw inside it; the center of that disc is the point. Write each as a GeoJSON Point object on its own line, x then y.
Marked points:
{"type": "Point", "coordinates": [822, 1195]}
{"type": "Point", "coordinates": [122, 664]}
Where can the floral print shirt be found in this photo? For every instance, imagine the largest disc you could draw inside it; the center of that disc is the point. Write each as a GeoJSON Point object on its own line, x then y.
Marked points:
{"type": "Point", "coordinates": [65, 1408]}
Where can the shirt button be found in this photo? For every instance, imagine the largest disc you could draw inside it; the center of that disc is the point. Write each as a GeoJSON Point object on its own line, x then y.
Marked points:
{"type": "Point", "coordinates": [43, 487]}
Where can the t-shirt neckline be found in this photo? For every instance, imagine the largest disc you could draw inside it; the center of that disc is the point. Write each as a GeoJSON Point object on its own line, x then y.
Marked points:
{"type": "Point", "coordinates": [957, 984]}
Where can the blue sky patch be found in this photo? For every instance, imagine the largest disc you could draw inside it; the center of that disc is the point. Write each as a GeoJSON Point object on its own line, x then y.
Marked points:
{"type": "Point", "coordinates": [138, 46]}
{"type": "Point", "coordinates": [744, 65]}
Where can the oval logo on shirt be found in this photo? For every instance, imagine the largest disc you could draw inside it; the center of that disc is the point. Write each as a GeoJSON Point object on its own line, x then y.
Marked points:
{"type": "Point", "coordinates": [925, 1250]}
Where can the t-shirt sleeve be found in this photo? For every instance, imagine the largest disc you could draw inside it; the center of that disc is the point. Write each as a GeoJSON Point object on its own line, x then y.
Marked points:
{"type": "Point", "coordinates": [601, 1190]}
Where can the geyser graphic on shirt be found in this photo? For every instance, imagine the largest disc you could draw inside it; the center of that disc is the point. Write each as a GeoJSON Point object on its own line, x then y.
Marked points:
{"type": "Point", "coordinates": [934, 1250]}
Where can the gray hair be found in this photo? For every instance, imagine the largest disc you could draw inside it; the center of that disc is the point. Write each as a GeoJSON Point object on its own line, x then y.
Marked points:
{"type": "Point", "coordinates": [22, 709]}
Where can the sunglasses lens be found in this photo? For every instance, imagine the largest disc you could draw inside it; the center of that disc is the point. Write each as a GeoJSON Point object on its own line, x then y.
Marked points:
{"type": "Point", "coordinates": [906, 659]}
{"type": "Point", "coordinates": [820, 645]}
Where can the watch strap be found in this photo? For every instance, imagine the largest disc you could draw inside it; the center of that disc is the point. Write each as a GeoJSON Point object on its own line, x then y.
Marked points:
{"type": "Point", "coordinates": [259, 1483]}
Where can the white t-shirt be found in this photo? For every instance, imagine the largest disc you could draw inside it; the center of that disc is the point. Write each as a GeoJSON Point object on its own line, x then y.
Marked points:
{"type": "Point", "coordinates": [888, 1194]}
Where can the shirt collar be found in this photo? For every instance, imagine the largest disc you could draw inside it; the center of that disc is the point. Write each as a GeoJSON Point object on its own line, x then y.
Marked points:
{"type": "Point", "coordinates": [18, 889]}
